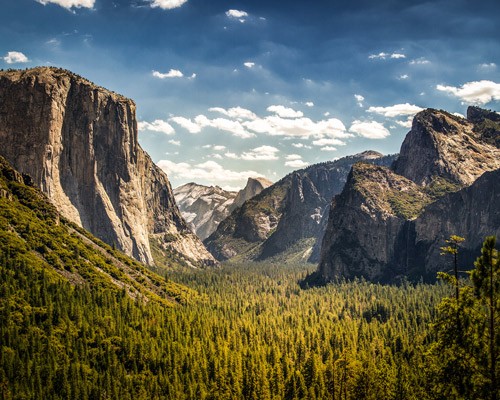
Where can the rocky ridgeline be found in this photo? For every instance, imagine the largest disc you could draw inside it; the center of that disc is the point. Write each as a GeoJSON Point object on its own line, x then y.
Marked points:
{"type": "Point", "coordinates": [204, 207]}
{"type": "Point", "coordinates": [287, 218]}
{"type": "Point", "coordinates": [389, 224]}
{"type": "Point", "coordinates": [79, 144]}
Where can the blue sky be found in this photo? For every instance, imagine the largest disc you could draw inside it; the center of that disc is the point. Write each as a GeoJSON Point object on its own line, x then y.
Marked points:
{"type": "Point", "coordinates": [229, 89]}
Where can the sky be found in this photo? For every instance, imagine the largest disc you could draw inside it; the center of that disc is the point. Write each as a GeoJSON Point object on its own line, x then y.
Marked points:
{"type": "Point", "coordinates": [231, 89]}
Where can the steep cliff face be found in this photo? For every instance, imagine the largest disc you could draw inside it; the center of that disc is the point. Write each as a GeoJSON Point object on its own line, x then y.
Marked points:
{"type": "Point", "coordinates": [203, 207]}
{"type": "Point", "coordinates": [79, 144]}
{"type": "Point", "coordinates": [365, 222]}
{"type": "Point", "coordinates": [388, 226]}
{"type": "Point", "coordinates": [253, 187]}
{"type": "Point", "coordinates": [287, 218]}
{"type": "Point", "coordinates": [446, 146]}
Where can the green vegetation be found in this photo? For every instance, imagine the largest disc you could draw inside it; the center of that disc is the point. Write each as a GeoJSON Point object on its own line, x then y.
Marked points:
{"type": "Point", "coordinates": [407, 205]}
{"type": "Point", "coordinates": [79, 320]}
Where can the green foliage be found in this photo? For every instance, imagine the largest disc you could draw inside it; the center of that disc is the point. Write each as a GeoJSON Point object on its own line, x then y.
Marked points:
{"type": "Point", "coordinates": [463, 356]}
{"type": "Point", "coordinates": [407, 205]}
{"type": "Point", "coordinates": [440, 187]}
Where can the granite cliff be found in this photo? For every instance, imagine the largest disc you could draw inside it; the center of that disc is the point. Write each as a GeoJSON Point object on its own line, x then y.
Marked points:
{"type": "Point", "coordinates": [388, 224]}
{"type": "Point", "coordinates": [79, 144]}
{"type": "Point", "coordinates": [287, 218]}
{"type": "Point", "coordinates": [204, 207]}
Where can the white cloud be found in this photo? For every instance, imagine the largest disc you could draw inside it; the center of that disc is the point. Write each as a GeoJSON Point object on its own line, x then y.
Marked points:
{"type": "Point", "coordinates": [403, 77]}
{"type": "Point", "coordinates": [217, 156]}
{"type": "Point", "coordinates": [285, 112]}
{"type": "Point", "coordinates": [292, 157]}
{"type": "Point", "coordinates": [296, 164]}
{"type": "Point", "coordinates": [232, 156]}
{"type": "Point", "coordinates": [219, 148]}
{"type": "Point", "coordinates": [359, 98]}
{"type": "Point", "coordinates": [405, 124]}
{"type": "Point", "coordinates": [235, 112]}
{"type": "Point", "coordinates": [14, 57]}
{"type": "Point", "coordinates": [328, 142]}
{"type": "Point", "coordinates": [167, 4]}
{"type": "Point", "coordinates": [174, 142]}
{"type": "Point", "coordinates": [491, 65]}
{"type": "Point", "coordinates": [309, 104]}
{"type": "Point", "coordinates": [224, 124]}
{"type": "Point", "coordinates": [369, 130]}
{"type": "Point", "coordinates": [173, 73]}
{"type": "Point", "coordinates": [249, 64]}
{"type": "Point", "coordinates": [480, 92]}
{"type": "Point", "coordinates": [396, 110]}
{"type": "Point", "coordinates": [238, 14]}
{"type": "Point", "coordinates": [186, 123]}
{"type": "Point", "coordinates": [457, 114]}
{"type": "Point", "coordinates": [397, 55]}
{"type": "Point", "coordinates": [420, 61]}
{"type": "Point", "coordinates": [157, 125]}
{"type": "Point", "coordinates": [209, 171]}
{"type": "Point", "coordinates": [383, 56]}
{"type": "Point", "coordinates": [301, 146]}
{"type": "Point", "coordinates": [69, 3]}
{"type": "Point", "coordinates": [263, 153]}
{"type": "Point", "coordinates": [328, 148]}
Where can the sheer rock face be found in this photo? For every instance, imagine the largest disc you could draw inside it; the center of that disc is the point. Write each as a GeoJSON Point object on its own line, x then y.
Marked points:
{"type": "Point", "coordinates": [444, 145]}
{"type": "Point", "coordinates": [289, 216]}
{"type": "Point", "coordinates": [253, 187]}
{"type": "Point", "coordinates": [388, 225]}
{"type": "Point", "coordinates": [79, 143]}
{"type": "Point", "coordinates": [365, 222]}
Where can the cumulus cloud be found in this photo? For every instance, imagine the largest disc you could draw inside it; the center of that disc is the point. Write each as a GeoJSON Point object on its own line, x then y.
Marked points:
{"type": "Point", "coordinates": [157, 125]}
{"type": "Point", "coordinates": [309, 104]}
{"type": "Point", "coordinates": [249, 64]}
{"type": "Point", "coordinates": [173, 73]}
{"type": "Point", "coordinates": [237, 14]}
{"type": "Point", "coordinates": [296, 164]}
{"type": "Point", "coordinates": [14, 57]}
{"type": "Point", "coordinates": [301, 146]}
{"type": "Point", "coordinates": [396, 110]}
{"type": "Point", "coordinates": [328, 148]}
{"type": "Point", "coordinates": [291, 157]}
{"type": "Point", "coordinates": [359, 98]}
{"type": "Point", "coordinates": [405, 124]}
{"type": "Point", "coordinates": [174, 142]}
{"type": "Point", "coordinates": [328, 142]}
{"type": "Point", "coordinates": [403, 77]}
{"type": "Point", "coordinates": [420, 61]}
{"type": "Point", "coordinates": [262, 153]}
{"type": "Point", "coordinates": [383, 56]}
{"type": "Point", "coordinates": [167, 4]}
{"type": "Point", "coordinates": [209, 171]}
{"type": "Point", "coordinates": [480, 92]}
{"type": "Point", "coordinates": [369, 129]}
{"type": "Point", "coordinates": [224, 124]}
{"type": "Point", "coordinates": [285, 112]}
{"type": "Point", "coordinates": [235, 112]}
{"type": "Point", "coordinates": [70, 3]}
{"type": "Point", "coordinates": [491, 65]}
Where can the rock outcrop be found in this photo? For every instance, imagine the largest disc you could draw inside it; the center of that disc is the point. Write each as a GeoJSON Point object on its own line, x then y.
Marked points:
{"type": "Point", "coordinates": [286, 219]}
{"type": "Point", "coordinates": [79, 143]}
{"type": "Point", "coordinates": [388, 225]}
{"type": "Point", "coordinates": [253, 187]}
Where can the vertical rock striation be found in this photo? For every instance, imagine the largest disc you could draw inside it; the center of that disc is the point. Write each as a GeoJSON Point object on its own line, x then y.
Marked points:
{"type": "Point", "coordinates": [79, 143]}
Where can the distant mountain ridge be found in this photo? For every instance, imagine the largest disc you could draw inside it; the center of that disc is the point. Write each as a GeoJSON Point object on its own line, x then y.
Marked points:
{"type": "Point", "coordinates": [389, 224]}
{"type": "Point", "coordinates": [204, 207]}
{"type": "Point", "coordinates": [79, 143]}
{"type": "Point", "coordinates": [286, 219]}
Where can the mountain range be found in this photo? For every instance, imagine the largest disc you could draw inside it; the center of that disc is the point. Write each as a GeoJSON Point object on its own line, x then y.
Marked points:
{"type": "Point", "coordinates": [204, 207]}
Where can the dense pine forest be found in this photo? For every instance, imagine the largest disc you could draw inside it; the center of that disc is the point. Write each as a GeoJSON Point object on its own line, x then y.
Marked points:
{"type": "Point", "coordinates": [250, 333]}
{"type": "Point", "coordinates": [79, 320]}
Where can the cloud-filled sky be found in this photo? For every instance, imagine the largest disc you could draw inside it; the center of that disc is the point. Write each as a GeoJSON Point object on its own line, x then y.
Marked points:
{"type": "Point", "coordinates": [231, 89]}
